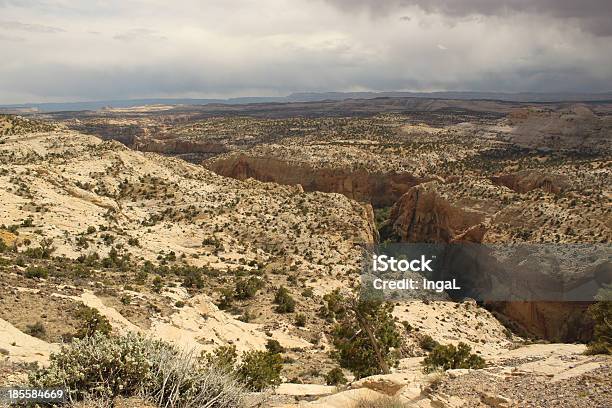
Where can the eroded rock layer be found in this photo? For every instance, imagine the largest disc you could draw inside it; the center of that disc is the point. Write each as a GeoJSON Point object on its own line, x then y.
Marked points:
{"type": "Point", "coordinates": [380, 189]}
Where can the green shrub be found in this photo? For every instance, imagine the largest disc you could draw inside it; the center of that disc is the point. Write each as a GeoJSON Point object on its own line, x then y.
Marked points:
{"type": "Point", "coordinates": [334, 306]}
{"type": "Point", "coordinates": [43, 251]}
{"type": "Point", "coordinates": [113, 260]}
{"type": "Point", "coordinates": [226, 298]}
{"type": "Point", "coordinates": [193, 278]}
{"type": "Point", "coordinates": [158, 284]}
{"type": "Point", "coordinates": [133, 242]}
{"type": "Point", "coordinates": [428, 343]}
{"type": "Point", "coordinates": [107, 366]}
{"type": "Point", "coordinates": [36, 272]}
{"type": "Point", "coordinates": [82, 242]}
{"type": "Point", "coordinates": [447, 357]}
{"type": "Point", "coordinates": [92, 322]}
{"type": "Point", "coordinates": [285, 303]}
{"type": "Point", "coordinates": [300, 320]}
{"type": "Point", "coordinates": [273, 346]}
{"type": "Point", "coordinates": [247, 288]}
{"type": "Point", "coordinates": [308, 292]}
{"type": "Point", "coordinates": [260, 369]}
{"type": "Point", "coordinates": [335, 377]}
{"type": "Point", "coordinates": [407, 326]}
{"type": "Point", "coordinates": [141, 276]}
{"type": "Point", "coordinates": [246, 316]}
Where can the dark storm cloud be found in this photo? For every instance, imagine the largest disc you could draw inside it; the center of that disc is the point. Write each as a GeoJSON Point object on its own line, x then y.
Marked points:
{"type": "Point", "coordinates": [67, 82]}
{"type": "Point", "coordinates": [223, 48]}
{"type": "Point", "coordinates": [594, 16]}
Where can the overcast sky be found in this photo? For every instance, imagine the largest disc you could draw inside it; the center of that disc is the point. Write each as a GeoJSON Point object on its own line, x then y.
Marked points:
{"type": "Point", "coordinates": [63, 50]}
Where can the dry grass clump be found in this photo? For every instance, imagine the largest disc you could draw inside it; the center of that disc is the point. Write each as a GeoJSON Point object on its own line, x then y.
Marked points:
{"type": "Point", "coordinates": [102, 368]}
{"type": "Point", "coordinates": [382, 402]}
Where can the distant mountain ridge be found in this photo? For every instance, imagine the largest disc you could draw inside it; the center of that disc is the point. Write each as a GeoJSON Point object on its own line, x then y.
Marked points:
{"type": "Point", "coordinates": [469, 95]}
{"type": "Point", "coordinates": [309, 97]}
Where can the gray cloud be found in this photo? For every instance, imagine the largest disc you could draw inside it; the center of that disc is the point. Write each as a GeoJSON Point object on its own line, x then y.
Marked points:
{"type": "Point", "coordinates": [32, 28]}
{"type": "Point", "coordinates": [223, 48]}
{"type": "Point", "coordinates": [594, 16]}
{"type": "Point", "coordinates": [174, 78]}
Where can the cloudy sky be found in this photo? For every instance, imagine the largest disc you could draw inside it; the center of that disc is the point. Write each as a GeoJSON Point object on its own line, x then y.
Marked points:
{"type": "Point", "coordinates": [64, 50]}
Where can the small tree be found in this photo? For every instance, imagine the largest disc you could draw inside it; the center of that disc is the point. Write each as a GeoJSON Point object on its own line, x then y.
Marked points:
{"type": "Point", "coordinates": [158, 284]}
{"type": "Point", "coordinates": [428, 343]}
{"type": "Point", "coordinates": [223, 357]}
{"type": "Point", "coordinates": [601, 313]}
{"type": "Point", "coordinates": [225, 300]}
{"type": "Point", "coordinates": [367, 337]}
{"type": "Point", "coordinates": [46, 248]}
{"type": "Point", "coordinates": [260, 369]}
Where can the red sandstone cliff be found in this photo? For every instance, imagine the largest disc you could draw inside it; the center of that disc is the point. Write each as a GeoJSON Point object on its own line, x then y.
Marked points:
{"type": "Point", "coordinates": [380, 189]}
{"type": "Point", "coordinates": [422, 215]}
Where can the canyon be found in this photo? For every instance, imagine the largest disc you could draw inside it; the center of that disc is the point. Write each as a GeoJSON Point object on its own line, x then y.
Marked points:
{"type": "Point", "coordinates": [154, 214]}
{"type": "Point", "coordinates": [379, 189]}
{"type": "Point", "coordinates": [447, 171]}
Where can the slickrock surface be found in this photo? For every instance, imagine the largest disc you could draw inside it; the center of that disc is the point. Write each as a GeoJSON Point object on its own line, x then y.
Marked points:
{"type": "Point", "coordinates": [66, 182]}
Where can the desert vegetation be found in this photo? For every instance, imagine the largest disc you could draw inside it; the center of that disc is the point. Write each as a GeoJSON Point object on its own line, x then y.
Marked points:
{"type": "Point", "coordinates": [137, 275]}
{"type": "Point", "coordinates": [105, 367]}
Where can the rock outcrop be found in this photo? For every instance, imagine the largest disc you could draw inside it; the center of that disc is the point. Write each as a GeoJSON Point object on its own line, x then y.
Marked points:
{"type": "Point", "coordinates": [22, 347]}
{"type": "Point", "coordinates": [574, 128]}
{"type": "Point", "coordinates": [556, 321]}
{"type": "Point", "coordinates": [124, 133]}
{"type": "Point", "coordinates": [528, 180]}
{"type": "Point", "coordinates": [380, 189]}
{"type": "Point", "coordinates": [175, 146]}
{"type": "Point", "coordinates": [423, 215]}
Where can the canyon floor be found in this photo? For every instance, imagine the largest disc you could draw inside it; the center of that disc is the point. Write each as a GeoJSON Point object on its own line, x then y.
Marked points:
{"type": "Point", "coordinates": [100, 215]}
